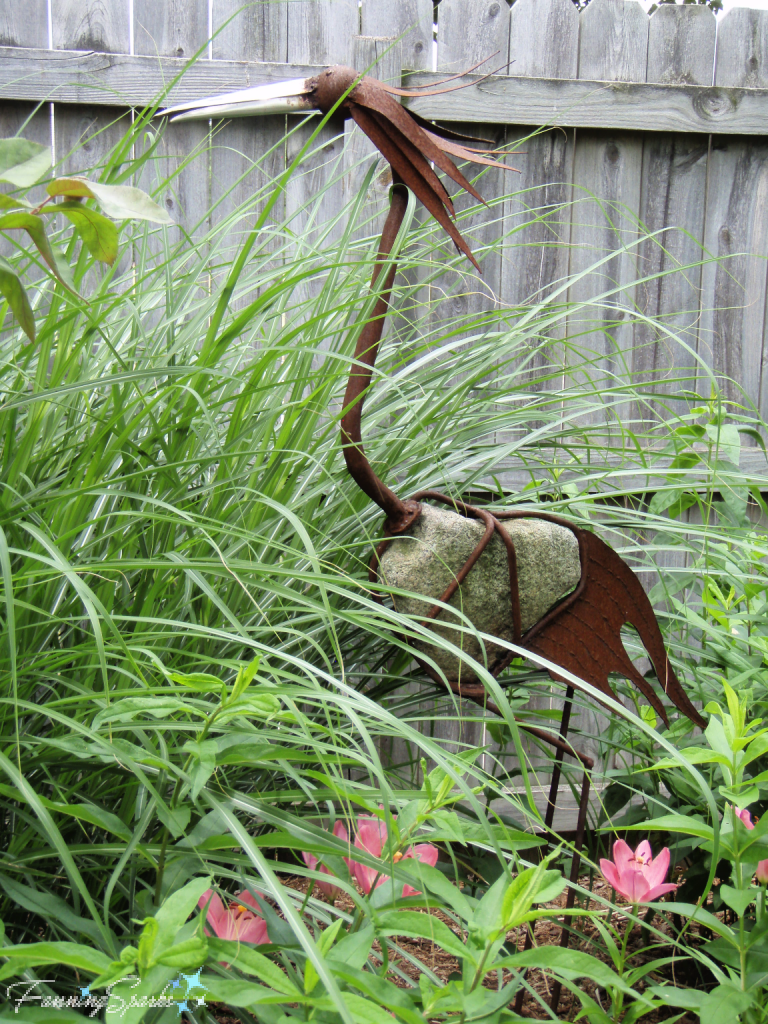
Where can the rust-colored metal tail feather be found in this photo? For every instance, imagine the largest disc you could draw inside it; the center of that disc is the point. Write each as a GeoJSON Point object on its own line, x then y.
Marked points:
{"type": "Point", "coordinates": [583, 635]}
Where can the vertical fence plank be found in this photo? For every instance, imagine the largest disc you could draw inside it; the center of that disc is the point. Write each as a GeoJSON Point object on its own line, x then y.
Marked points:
{"type": "Point", "coordinates": [178, 28]}
{"type": "Point", "coordinates": [24, 25]}
{"type": "Point", "coordinates": [681, 50]}
{"type": "Point", "coordinates": [731, 339]}
{"type": "Point", "coordinates": [84, 135]}
{"type": "Point", "coordinates": [544, 37]}
{"type": "Point", "coordinates": [613, 46]}
{"type": "Point", "coordinates": [466, 34]}
{"type": "Point", "coordinates": [246, 154]}
{"type": "Point", "coordinates": [90, 25]}
{"type": "Point", "coordinates": [411, 19]}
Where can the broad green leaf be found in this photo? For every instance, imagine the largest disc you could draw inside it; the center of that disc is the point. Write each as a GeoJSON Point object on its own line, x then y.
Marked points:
{"type": "Point", "coordinates": [14, 294]}
{"type": "Point", "coordinates": [123, 202]}
{"type": "Point", "coordinates": [204, 764]}
{"type": "Point", "coordinates": [49, 907]}
{"type": "Point", "coordinates": [92, 814]}
{"type": "Point", "coordinates": [23, 162]}
{"type": "Point", "coordinates": [177, 908]}
{"type": "Point", "coordinates": [245, 993]}
{"type": "Point", "coordinates": [421, 926]}
{"type": "Point", "coordinates": [249, 961]}
{"type": "Point", "coordinates": [203, 682]}
{"type": "Point", "coordinates": [13, 203]}
{"type": "Point", "coordinates": [724, 1005]}
{"type": "Point", "coordinates": [99, 234]}
{"type": "Point", "coordinates": [35, 228]}
{"type": "Point", "coordinates": [133, 707]}
{"type": "Point", "coordinates": [738, 899]}
{"type": "Point", "coordinates": [688, 826]}
{"type": "Point", "coordinates": [424, 876]}
{"type": "Point", "coordinates": [571, 963]}
{"type": "Point", "coordinates": [36, 954]}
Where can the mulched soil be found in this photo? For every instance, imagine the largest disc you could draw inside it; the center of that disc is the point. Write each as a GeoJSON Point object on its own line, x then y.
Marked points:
{"type": "Point", "coordinates": [548, 932]}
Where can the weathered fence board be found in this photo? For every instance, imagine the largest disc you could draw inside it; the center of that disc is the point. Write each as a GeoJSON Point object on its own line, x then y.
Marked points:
{"type": "Point", "coordinates": [656, 122]}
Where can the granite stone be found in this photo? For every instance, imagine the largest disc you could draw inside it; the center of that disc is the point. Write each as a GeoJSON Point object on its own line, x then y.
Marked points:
{"type": "Point", "coordinates": [426, 559]}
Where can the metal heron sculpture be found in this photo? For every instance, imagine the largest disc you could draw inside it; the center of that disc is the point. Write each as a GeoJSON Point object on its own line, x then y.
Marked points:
{"type": "Point", "coordinates": [582, 631]}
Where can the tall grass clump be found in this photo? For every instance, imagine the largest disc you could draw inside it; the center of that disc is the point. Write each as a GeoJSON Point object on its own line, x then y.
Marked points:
{"type": "Point", "coordinates": [199, 682]}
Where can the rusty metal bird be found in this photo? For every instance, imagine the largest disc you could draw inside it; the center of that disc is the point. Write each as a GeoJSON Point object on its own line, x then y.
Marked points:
{"type": "Point", "coordinates": [582, 632]}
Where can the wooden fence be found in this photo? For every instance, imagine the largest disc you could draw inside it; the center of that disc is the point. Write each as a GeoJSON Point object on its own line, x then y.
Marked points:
{"type": "Point", "coordinates": [661, 120]}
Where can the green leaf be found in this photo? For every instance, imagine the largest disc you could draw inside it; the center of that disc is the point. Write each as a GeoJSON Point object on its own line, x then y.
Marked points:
{"type": "Point", "coordinates": [35, 228]}
{"type": "Point", "coordinates": [132, 707]}
{"type": "Point", "coordinates": [123, 202]}
{"type": "Point", "coordinates": [23, 162]}
{"type": "Point", "coordinates": [177, 908]}
{"type": "Point", "coordinates": [99, 234]}
{"type": "Point", "coordinates": [13, 202]}
{"type": "Point", "coordinates": [203, 682]}
{"type": "Point", "coordinates": [570, 963]}
{"type": "Point", "coordinates": [421, 926]}
{"type": "Point", "coordinates": [13, 292]}
{"type": "Point", "coordinates": [93, 814]}
{"type": "Point", "coordinates": [738, 899]}
{"type": "Point", "coordinates": [36, 954]}
{"type": "Point", "coordinates": [724, 1004]}
{"type": "Point", "coordinates": [424, 876]}
{"type": "Point", "coordinates": [205, 763]}
{"type": "Point", "coordinates": [249, 961]}
{"type": "Point", "coordinates": [188, 954]}
{"type": "Point", "coordinates": [727, 440]}
{"type": "Point", "coordinates": [684, 824]}
{"type": "Point", "coordinates": [48, 906]}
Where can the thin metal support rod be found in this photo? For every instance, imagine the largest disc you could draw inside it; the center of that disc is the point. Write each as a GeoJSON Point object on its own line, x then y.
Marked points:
{"type": "Point", "coordinates": [400, 514]}
{"type": "Point", "coordinates": [565, 721]}
{"type": "Point", "coordinates": [565, 935]}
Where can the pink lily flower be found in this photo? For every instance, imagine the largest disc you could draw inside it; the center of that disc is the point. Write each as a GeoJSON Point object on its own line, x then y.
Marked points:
{"type": "Point", "coordinates": [745, 817]}
{"type": "Point", "coordinates": [637, 875]}
{"type": "Point", "coordinates": [237, 921]}
{"type": "Point", "coordinates": [372, 837]}
{"type": "Point", "coordinates": [330, 890]}
{"type": "Point", "coordinates": [762, 872]}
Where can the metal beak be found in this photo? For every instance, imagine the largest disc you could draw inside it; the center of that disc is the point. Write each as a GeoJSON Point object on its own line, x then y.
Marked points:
{"type": "Point", "coordinates": [290, 97]}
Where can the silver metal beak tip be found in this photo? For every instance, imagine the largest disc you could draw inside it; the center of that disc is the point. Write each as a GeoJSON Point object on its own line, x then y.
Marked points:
{"type": "Point", "coordinates": [272, 98]}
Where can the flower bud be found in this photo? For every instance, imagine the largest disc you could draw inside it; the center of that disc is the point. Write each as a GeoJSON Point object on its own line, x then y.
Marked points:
{"type": "Point", "coordinates": [762, 872]}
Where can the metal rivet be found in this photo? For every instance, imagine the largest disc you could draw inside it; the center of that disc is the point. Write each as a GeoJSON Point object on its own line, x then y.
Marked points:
{"type": "Point", "coordinates": [493, 10]}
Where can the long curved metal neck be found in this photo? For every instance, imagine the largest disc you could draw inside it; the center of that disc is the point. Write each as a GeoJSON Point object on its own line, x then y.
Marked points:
{"type": "Point", "coordinates": [400, 514]}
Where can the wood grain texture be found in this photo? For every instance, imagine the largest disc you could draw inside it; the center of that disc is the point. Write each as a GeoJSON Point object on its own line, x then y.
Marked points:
{"type": "Point", "coordinates": [257, 31]}
{"type": "Point", "coordinates": [174, 28]}
{"type": "Point", "coordinates": [742, 49]}
{"type": "Point", "coordinates": [468, 32]}
{"type": "Point", "coordinates": [543, 44]}
{"type": "Point", "coordinates": [681, 48]}
{"type": "Point", "coordinates": [606, 177]}
{"type": "Point", "coordinates": [613, 41]}
{"type": "Point", "coordinates": [681, 45]}
{"type": "Point", "coordinates": [732, 334]}
{"type": "Point", "coordinates": [24, 24]}
{"type": "Point", "coordinates": [544, 40]}
{"type": "Point", "coordinates": [321, 31]}
{"type": "Point", "coordinates": [105, 79]}
{"type": "Point", "coordinates": [411, 19]}
{"type": "Point", "coordinates": [247, 153]}
{"type": "Point", "coordinates": [183, 157]}
{"type": "Point", "coordinates": [100, 25]}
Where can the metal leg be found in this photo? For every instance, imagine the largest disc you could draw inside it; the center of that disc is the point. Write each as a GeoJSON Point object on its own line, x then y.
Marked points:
{"type": "Point", "coordinates": [565, 721]}
{"type": "Point", "coordinates": [565, 936]}
{"type": "Point", "coordinates": [550, 815]}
